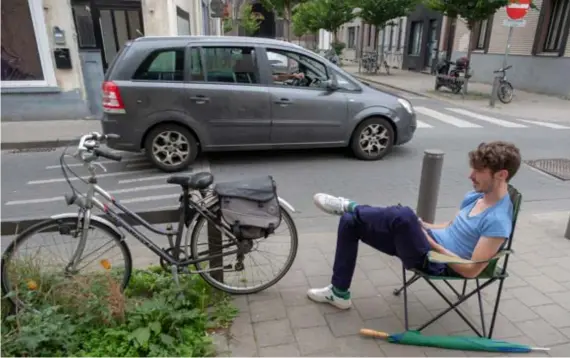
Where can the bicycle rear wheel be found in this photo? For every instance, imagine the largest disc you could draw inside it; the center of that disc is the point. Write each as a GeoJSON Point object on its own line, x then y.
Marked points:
{"type": "Point", "coordinates": [236, 279]}
{"type": "Point", "coordinates": [38, 281]}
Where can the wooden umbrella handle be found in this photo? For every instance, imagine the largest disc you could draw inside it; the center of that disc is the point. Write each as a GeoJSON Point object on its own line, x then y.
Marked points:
{"type": "Point", "coordinates": [373, 333]}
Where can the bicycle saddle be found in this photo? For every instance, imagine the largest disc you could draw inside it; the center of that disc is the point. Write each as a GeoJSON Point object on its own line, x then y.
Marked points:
{"type": "Point", "coordinates": [196, 181]}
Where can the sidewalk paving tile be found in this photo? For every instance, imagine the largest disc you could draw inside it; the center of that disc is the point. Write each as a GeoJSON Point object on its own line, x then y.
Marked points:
{"type": "Point", "coordinates": [282, 321]}
{"type": "Point", "coordinates": [525, 105]}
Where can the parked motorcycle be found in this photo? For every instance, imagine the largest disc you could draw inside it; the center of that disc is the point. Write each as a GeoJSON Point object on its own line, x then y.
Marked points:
{"type": "Point", "coordinates": [452, 77]}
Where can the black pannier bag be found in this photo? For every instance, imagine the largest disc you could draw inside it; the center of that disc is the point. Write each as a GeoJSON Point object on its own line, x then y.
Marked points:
{"type": "Point", "coordinates": [250, 206]}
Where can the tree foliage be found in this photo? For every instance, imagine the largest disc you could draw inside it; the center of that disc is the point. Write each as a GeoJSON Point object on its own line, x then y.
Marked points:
{"type": "Point", "coordinates": [379, 12]}
{"type": "Point", "coordinates": [472, 11]}
{"type": "Point", "coordinates": [284, 9]}
{"type": "Point", "coordinates": [323, 14]}
{"type": "Point", "coordinates": [250, 20]}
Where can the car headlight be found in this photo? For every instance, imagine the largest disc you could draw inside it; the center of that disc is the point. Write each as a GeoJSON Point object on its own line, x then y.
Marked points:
{"type": "Point", "coordinates": [407, 105]}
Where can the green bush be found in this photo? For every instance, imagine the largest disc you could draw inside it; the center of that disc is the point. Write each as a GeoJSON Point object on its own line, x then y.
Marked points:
{"type": "Point", "coordinates": [338, 47]}
{"type": "Point", "coordinates": [153, 317]}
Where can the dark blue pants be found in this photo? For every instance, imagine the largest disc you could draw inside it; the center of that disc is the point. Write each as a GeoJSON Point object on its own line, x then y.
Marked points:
{"type": "Point", "coordinates": [393, 230]}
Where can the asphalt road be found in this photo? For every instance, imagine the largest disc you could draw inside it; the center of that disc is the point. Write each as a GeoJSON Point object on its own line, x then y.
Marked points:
{"type": "Point", "coordinates": [33, 185]}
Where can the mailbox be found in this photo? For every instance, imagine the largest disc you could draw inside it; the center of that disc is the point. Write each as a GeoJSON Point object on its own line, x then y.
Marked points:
{"type": "Point", "coordinates": [62, 58]}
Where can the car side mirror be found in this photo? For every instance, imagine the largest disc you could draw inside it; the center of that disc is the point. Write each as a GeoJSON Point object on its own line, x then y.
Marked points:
{"type": "Point", "coordinates": [332, 83]}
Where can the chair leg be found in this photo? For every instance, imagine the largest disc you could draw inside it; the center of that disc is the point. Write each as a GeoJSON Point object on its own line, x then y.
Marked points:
{"type": "Point", "coordinates": [480, 305]}
{"type": "Point", "coordinates": [414, 278]}
{"type": "Point", "coordinates": [496, 308]}
{"type": "Point", "coordinates": [405, 287]}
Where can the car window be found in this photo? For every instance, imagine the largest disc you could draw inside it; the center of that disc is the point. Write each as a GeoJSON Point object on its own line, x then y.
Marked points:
{"type": "Point", "coordinates": [295, 63]}
{"type": "Point", "coordinates": [162, 65]}
{"type": "Point", "coordinates": [344, 82]}
{"type": "Point", "coordinates": [225, 65]}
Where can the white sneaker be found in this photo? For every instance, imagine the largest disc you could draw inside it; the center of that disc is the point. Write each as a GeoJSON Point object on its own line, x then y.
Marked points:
{"type": "Point", "coordinates": [326, 295]}
{"type": "Point", "coordinates": [334, 205]}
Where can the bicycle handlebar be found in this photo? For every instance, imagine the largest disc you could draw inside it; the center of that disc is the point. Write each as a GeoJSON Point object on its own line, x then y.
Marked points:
{"type": "Point", "coordinates": [502, 69]}
{"type": "Point", "coordinates": [90, 143]}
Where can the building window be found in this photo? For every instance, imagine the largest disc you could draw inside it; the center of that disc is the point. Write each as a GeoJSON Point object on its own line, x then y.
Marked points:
{"type": "Point", "coordinates": [182, 22]}
{"type": "Point", "coordinates": [26, 56]}
{"type": "Point", "coordinates": [552, 32]}
{"type": "Point", "coordinates": [482, 34]}
{"type": "Point", "coordinates": [390, 42]}
{"type": "Point", "coordinates": [162, 65]}
{"type": "Point", "coordinates": [369, 34]}
{"type": "Point", "coordinates": [351, 37]}
{"type": "Point", "coordinates": [415, 38]}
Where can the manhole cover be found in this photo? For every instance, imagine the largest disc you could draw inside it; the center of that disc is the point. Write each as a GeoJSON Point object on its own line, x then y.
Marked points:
{"type": "Point", "coordinates": [559, 168]}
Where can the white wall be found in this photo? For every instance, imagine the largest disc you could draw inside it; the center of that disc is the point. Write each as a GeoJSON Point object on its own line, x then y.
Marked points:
{"type": "Point", "coordinates": [160, 18]}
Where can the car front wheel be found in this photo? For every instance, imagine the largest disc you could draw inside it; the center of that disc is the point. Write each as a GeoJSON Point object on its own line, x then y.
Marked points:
{"type": "Point", "coordinates": [171, 147]}
{"type": "Point", "coordinates": [372, 139]}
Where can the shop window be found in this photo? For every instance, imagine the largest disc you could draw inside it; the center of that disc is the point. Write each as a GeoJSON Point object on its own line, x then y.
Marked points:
{"type": "Point", "coordinates": [25, 58]}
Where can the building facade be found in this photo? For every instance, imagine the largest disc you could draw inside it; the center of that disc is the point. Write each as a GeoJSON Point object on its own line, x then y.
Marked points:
{"type": "Point", "coordinates": [422, 45]}
{"type": "Point", "coordinates": [539, 51]}
{"type": "Point", "coordinates": [55, 52]}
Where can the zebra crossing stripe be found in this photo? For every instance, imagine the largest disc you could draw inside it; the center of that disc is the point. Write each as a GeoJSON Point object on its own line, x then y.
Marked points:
{"type": "Point", "coordinates": [499, 122]}
{"type": "Point", "coordinates": [545, 124]}
{"type": "Point", "coordinates": [454, 121]}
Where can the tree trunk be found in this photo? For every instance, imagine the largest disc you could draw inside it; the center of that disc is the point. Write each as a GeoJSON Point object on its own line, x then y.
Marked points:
{"type": "Point", "coordinates": [470, 26]}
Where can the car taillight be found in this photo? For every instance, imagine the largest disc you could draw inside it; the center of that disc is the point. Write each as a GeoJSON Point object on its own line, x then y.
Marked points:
{"type": "Point", "coordinates": [112, 101]}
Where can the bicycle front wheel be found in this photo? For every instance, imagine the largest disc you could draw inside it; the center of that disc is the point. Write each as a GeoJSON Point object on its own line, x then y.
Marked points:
{"type": "Point", "coordinates": [35, 273]}
{"type": "Point", "coordinates": [505, 92]}
{"type": "Point", "coordinates": [268, 261]}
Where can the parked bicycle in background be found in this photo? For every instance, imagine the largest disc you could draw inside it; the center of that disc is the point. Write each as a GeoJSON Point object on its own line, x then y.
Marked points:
{"type": "Point", "coordinates": [504, 87]}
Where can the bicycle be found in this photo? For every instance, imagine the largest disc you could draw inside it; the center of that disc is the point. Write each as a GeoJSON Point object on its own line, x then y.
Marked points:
{"type": "Point", "coordinates": [197, 208]}
{"type": "Point", "coordinates": [504, 88]}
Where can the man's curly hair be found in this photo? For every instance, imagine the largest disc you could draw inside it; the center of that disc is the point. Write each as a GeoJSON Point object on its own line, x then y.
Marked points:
{"type": "Point", "coordinates": [496, 156]}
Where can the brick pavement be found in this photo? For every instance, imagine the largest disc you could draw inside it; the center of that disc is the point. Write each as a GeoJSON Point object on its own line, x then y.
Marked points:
{"type": "Point", "coordinates": [282, 321]}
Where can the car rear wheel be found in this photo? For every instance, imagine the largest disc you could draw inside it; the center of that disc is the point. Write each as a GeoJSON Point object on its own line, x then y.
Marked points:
{"type": "Point", "coordinates": [171, 147]}
{"type": "Point", "coordinates": [372, 139]}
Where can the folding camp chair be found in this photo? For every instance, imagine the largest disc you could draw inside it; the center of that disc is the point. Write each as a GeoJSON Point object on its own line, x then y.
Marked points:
{"type": "Point", "coordinates": [492, 273]}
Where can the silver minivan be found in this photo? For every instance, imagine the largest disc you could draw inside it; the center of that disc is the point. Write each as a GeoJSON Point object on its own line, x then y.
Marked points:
{"type": "Point", "coordinates": [175, 96]}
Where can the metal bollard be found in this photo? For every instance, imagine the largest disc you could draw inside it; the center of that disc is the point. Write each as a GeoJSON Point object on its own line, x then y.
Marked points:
{"type": "Point", "coordinates": [494, 91]}
{"type": "Point", "coordinates": [567, 234]}
{"type": "Point", "coordinates": [429, 185]}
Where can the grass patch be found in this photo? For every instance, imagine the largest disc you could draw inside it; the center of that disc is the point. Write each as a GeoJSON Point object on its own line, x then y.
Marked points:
{"type": "Point", "coordinates": [90, 316]}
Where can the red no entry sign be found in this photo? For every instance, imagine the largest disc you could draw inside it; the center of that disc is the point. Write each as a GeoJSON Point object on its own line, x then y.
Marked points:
{"type": "Point", "coordinates": [517, 9]}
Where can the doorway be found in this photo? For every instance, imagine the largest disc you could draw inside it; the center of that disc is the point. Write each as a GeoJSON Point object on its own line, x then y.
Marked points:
{"type": "Point", "coordinates": [103, 27]}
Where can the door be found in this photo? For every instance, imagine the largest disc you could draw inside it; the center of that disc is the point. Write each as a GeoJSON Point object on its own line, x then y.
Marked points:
{"type": "Point", "coordinates": [224, 93]}
{"type": "Point", "coordinates": [304, 112]}
{"type": "Point", "coordinates": [431, 46]}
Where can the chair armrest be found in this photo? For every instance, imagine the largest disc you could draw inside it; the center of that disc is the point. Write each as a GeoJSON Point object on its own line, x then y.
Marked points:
{"type": "Point", "coordinates": [434, 256]}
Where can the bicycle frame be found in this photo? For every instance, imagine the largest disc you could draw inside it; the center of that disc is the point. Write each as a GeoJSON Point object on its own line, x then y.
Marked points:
{"type": "Point", "coordinates": [189, 211]}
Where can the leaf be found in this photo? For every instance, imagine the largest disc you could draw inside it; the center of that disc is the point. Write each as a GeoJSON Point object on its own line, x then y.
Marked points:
{"type": "Point", "coordinates": [155, 327]}
{"type": "Point", "coordinates": [142, 335]}
{"type": "Point", "coordinates": [166, 339]}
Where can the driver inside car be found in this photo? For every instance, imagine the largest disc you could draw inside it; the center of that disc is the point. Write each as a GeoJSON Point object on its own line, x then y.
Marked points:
{"type": "Point", "coordinates": [281, 77]}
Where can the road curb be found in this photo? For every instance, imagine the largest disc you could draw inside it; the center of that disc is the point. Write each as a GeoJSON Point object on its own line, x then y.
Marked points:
{"type": "Point", "coordinates": [391, 86]}
{"type": "Point", "coordinates": [17, 225]}
{"type": "Point", "coordinates": [38, 144]}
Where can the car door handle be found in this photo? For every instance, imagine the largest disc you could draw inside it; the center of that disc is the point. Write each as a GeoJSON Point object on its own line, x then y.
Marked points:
{"type": "Point", "coordinates": [283, 102]}
{"type": "Point", "coordinates": [199, 99]}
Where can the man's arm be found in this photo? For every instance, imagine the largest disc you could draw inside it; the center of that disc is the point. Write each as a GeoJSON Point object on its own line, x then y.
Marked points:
{"type": "Point", "coordinates": [437, 226]}
{"type": "Point", "coordinates": [486, 248]}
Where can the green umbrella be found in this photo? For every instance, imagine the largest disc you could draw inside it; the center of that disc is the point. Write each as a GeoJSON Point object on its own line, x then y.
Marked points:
{"type": "Point", "coordinates": [465, 343]}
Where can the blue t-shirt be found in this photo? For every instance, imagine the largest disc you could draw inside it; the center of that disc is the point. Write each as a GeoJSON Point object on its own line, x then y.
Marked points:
{"type": "Point", "coordinates": [462, 235]}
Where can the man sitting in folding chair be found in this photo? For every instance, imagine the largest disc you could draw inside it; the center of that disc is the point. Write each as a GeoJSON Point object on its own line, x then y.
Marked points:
{"type": "Point", "coordinates": [477, 233]}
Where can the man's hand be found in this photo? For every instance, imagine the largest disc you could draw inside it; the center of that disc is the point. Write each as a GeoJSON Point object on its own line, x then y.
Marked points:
{"type": "Point", "coordinates": [299, 75]}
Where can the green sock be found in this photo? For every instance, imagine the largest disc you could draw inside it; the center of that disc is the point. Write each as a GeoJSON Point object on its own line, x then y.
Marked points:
{"type": "Point", "coordinates": [350, 207]}
{"type": "Point", "coordinates": [340, 293]}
